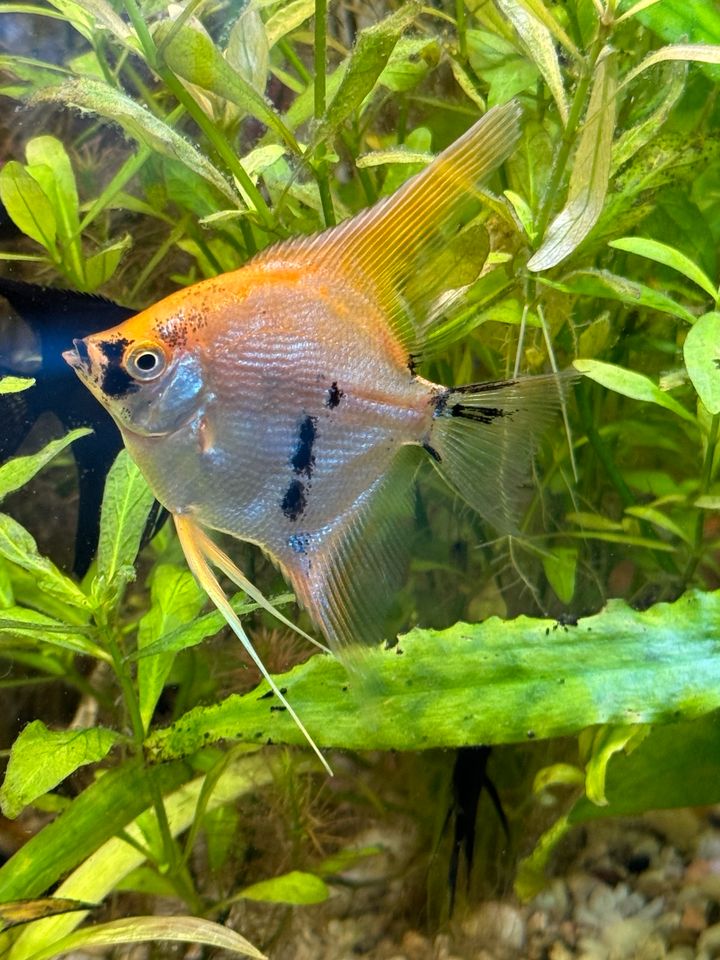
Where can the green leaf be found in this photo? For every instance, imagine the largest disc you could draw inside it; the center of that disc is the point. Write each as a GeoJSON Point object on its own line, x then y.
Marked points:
{"type": "Point", "coordinates": [126, 504]}
{"type": "Point", "coordinates": [192, 55]}
{"type": "Point", "coordinates": [175, 601]}
{"type": "Point", "coordinates": [560, 566]}
{"type": "Point", "coordinates": [15, 384]}
{"type": "Point", "coordinates": [28, 205]}
{"type": "Point", "coordinates": [15, 473]}
{"type": "Point", "coordinates": [369, 57]}
{"type": "Point", "coordinates": [506, 680]}
{"type": "Point", "coordinates": [590, 171]}
{"type": "Point", "coordinates": [602, 283]}
{"type": "Point", "coordinates": [248, 47]}
{"type": "Point", "coordinates": [191, 930]}
{"type": "Point", "coordinates": [29, 624]}
{"type": "Point", "coordinates": [40, 759]}
{"type": "Point", "coordinates": [295, 887]}
{"type": "Point", "coordinates": [49, 164]}
{"type": "Point", "coordinates": [499, 63]}
{"type": "Point", "coordinates": [669, 256]}
{"type": "Point", "coordinates": [190, 635]}
{"type": "Point", "coordinates": [603, 744]}
{"type": "Point", "coordinates": [702, 359]}
{"type": "Point", "coordinates": [409, 63]}
{"type": "Point", "coordinates": [138, 123]}
{"type": "Point", "coordinates": [538, 41]}
{"type": "Point", "coordinates": [17, 546]}
{"type": "Point", "coordinates": [630, 384]}
{"type": "Point", "coordinates": [288, 17]}
{"type": "Point", "coordinates": [101, 266]}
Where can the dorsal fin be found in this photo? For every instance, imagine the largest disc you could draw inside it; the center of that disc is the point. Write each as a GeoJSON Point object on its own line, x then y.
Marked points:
{"type": "Point", "coordinates": [385, 246]}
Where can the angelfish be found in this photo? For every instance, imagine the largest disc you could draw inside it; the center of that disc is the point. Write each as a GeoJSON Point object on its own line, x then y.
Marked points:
{"type": "Point", "coordinates": [279, 402]}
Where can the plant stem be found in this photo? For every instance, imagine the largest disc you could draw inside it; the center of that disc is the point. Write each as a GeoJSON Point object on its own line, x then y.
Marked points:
{"type": "Point", "coordinates": [460, 21]}
{"type": "Point", "coordinates": [320, 165]}
{"type": "Point", "coordinates": [705, 481]}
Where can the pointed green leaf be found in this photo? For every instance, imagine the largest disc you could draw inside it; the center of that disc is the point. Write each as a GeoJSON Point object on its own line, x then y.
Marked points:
{"type": "Point", "coordinates": [101, 266]}
{"type": "Point", "coordinates": [49, 164]}
{"type": "Point", "coordinates": [139, 123]}
{"type": "Point", "coordinates": [40, 759]}
{"type": "Point", "coordinates": [15, 384]}
{"type": "Point", "coordinates": [669, 256]}
{"type": "Point", "coordinates": [15, 473]}
{"type": "Point", "coordinates": [17, 546]}
{"type": "Point", "coordinates": [248, 47]}
{"type": "Point", "coordinates": [590, 172]}
{"type": "Point", "coordinates": [295, 887]}
{"type": "Point", "coordinates": [630, 384]}
{"type": "Point", "coordinates": [126, 504]}
{"type": "Point", "coordinates": [702, 359]}
{"type": "Point", "coordinates": [288, 17]}
{"type": "Point", "coordinates": [176, 600]}
{"type": "Point", "coordinates": [40, 629]}
{"type": "Point", "coordinates": [604, 743]}
{"type": "Point", "coordinates": [27, 205]}
{"type": "Point", "coordinates": [560, 566]}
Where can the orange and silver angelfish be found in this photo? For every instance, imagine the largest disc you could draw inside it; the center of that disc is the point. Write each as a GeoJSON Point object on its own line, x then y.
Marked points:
{"type": "Point", "coordinates": [278, 403]}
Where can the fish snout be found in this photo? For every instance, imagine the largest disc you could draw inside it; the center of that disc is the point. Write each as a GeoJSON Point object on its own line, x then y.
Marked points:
{"type": "Point", "coordinates": [78, 358]}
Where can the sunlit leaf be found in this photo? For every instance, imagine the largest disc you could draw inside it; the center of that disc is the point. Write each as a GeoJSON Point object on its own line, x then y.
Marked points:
{"type": "Point", "coordinates": [630, 384]}
{"type": "Point", "coordinates": [669, 256]}
{"type": "Point", "coordinates": [14, 385]}
{"type": "Point", "coordinates": [702, 359]}
{"type": "Point", "coordinates": [590, 171]}
{"type": "Point", "coordinates": [287, 18]}
{"type": "Point", "coordinates": [40, 759]}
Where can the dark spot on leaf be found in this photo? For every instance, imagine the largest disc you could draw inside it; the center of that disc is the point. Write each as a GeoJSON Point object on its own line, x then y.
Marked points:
{"type": "Point", "coordinates": [266, 696]}
{"type": "Point", "coordinates": [277, 708]}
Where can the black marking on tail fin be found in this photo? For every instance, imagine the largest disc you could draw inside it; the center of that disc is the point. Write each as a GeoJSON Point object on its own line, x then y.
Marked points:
{"type": "Point", "coordinates": [334, 395]}
{"type": "Point", "coordinates": [479, 414]}
{"type": "Point", "coordinates": [432, 451]}
{"type": "Point", "coordinates": [303, 459]}
{"type": "Point", "coordinates": [294, 502]}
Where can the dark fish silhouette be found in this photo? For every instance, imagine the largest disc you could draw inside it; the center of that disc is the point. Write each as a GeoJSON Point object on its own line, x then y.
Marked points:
{"type": "Point", "coordinates": [32, 345]}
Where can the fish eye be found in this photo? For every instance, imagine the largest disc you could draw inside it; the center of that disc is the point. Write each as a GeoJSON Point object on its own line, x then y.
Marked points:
{"type": "Point", "coordinates": [145, 361]}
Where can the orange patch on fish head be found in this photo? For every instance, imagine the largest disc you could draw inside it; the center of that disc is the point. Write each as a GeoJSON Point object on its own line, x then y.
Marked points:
{"type": "Point", "coordinates": [147, 371]}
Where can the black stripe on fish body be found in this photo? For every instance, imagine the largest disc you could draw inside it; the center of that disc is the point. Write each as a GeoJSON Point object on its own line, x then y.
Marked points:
{"type": "Point", "coordinates": [295, 500]}
{"type": "Point", "coordinates": [303, 459]}
{"type": "Point", "coordinates": [116, 381]}
{"type": "Point", "coordinates": [334, 395]}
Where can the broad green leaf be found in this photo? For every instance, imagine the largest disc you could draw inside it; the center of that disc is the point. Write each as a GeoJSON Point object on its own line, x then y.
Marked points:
{"type": "Point", "coordinates": [28, 206]}
{"type": "Point", "coordinates": [702, 359]}
{"type": "Point", "coordinates": [369, 57]}
{"type": "Point", "coordinates": [15, 473]}
{"type": "Point", "coordinates": [669, 256]}
{"type": "Point", "coordinates": [295, 887]}
{"type": "Point", "coordinates": [560, 565]}
{"type": "Point", "coordinates": [126, 504]}
{"type": "Point", "coordinates": [602, 283]}
{"type": "Point", "coordinates": [630, 384]}
{"type": "Point", "coordinates": [248, 47]}
{"type": "Point", "coordinates": [15, 385]}
{"type": "Point", "coordinates": [509, 681]}
{"type": "Point", "coordinates": [17, 546]}
{"type": "Point", "coordinates": [49, 164]}
{"type": "Point", "coordinates": [193, 930]}
{"type": "Point", "coordinates": [101, 266]}
{"type": "Point", "coordinates": [192, 55]}
{"type": "Point", "coordinates": [138, 123]}
{"type": "Point", "coordinates": [590, 171]}
{"type": "Point", "coordinates": [175, 601]}
{"type": "Point", "coordinates": [40, 759]}
{"type": "Point", "coordinates": [287, 18]}
{"type": "Point", "coordinates": [538, 42]}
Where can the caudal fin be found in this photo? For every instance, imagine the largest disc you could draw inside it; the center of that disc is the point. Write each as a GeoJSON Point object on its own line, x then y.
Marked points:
{"type": "Point", "coordinates": [484, 437]}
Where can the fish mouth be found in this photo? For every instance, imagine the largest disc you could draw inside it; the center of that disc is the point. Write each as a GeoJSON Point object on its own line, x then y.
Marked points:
{"type": "Point", "coordinates": [78, 358]}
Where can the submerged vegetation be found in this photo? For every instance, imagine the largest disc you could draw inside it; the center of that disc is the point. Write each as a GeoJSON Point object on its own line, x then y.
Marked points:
{"type": "Point", "coordinates": [170, 143]}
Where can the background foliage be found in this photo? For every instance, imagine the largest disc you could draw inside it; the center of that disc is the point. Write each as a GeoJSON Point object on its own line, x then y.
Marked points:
{"type": "Point", "coordinates": [199, 133]}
